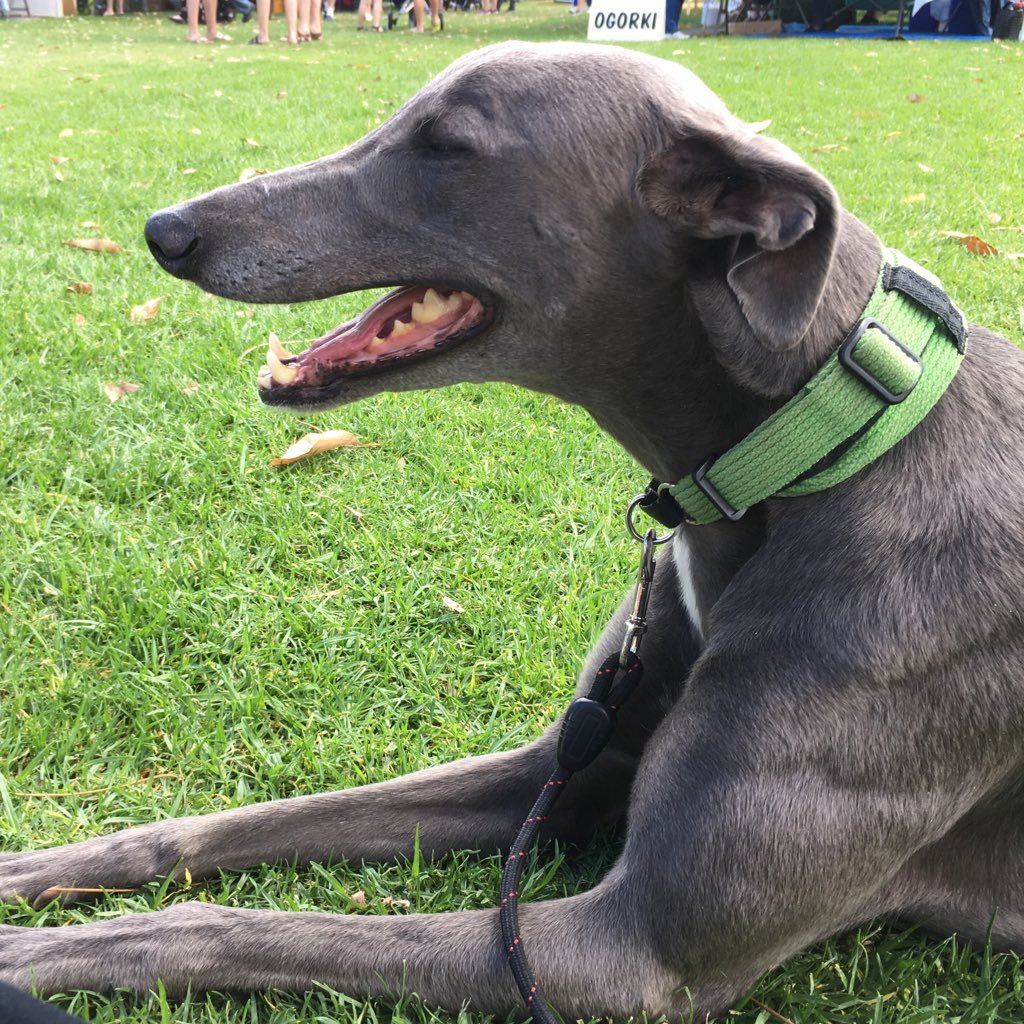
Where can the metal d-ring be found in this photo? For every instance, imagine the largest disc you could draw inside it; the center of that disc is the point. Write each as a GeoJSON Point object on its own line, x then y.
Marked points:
{"type": "Point", "coordinates": [631, 526]}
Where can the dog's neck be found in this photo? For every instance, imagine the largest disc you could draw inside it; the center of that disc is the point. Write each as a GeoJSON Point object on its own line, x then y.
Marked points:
{"type": "Point", "coordinates": [689, 404]}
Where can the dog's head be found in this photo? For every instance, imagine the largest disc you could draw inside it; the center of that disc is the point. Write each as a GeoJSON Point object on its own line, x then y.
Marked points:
{"type": "Point", "coordinates": [537, 209]}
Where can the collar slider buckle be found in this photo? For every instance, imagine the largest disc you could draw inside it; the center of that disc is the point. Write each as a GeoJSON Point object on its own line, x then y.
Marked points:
{"type": "Point", "coordinates": [902, 367]}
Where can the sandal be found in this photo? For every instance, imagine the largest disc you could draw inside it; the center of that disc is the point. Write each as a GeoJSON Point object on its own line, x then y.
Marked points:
{"type": "Point", "coordinates": [256, 41]}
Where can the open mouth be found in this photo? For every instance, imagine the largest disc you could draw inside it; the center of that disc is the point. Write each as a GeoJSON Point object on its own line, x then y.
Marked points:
{"type": "Point", "coordinates": [407, 324]}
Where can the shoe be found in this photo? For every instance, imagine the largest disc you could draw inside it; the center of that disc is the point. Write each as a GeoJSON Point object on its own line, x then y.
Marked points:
{"type": "Point", "coordinates": [676, 35]}
{"type": "Point", "coordinates": [256, 41]}
{"type": "Point", "coordinates": [246, 16]}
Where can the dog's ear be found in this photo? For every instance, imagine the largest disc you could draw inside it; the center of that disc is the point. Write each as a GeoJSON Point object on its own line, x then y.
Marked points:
{"type": "Point", "coordinates": [782, 215]}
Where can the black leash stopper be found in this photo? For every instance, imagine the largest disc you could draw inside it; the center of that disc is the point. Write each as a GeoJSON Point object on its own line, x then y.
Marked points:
{"type": "Point", "coordinates": [586, 729]}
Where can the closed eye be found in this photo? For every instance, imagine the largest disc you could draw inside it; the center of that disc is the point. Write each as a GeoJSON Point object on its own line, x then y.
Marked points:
{"type": "Point", "coordinates": [431, 138]}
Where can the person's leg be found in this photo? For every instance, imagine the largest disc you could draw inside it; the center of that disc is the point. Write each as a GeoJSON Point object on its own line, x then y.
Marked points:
{"type": "Point", "coordinates": [263, 21]}
{"type": "Point", "coordinates": [672, 9]}
{"type": "Point", "coordinates": [378, 11]}
{"type": "Point", "coordinates": [364, 6]}
{"type": "Point", "coordinates": [417, 15]}
{"type": "Point", "coordinates": [291, 20]}
{"type": "Point", "coordinates": [316, 28]}
{"type": "Point", "coordinates": [210, 7]}
{"type": "Point", "coordinates": [303, 19]}
{"type": "Point", "coordinates": [192, 18]}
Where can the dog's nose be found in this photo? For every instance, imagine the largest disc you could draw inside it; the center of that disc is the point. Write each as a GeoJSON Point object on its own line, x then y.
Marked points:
{"type": "Point", "coordinates": [173, 240]}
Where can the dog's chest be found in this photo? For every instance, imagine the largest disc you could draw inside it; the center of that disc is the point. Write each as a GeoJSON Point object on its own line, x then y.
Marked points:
{"type": "Point", "coordinates": [682, 557]}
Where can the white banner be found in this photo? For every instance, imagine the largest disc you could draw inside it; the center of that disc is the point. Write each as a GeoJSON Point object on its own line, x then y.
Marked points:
{"type": "Point", "coordinates": [626, 20]}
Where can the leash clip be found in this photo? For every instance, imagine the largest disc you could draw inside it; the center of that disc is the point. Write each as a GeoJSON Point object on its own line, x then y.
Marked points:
{"type": "Point", "coordinates": [636, 624]}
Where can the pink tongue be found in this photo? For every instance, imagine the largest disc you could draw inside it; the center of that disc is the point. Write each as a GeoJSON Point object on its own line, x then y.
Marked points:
{"type": "Point", "coordinates": [349, 339]}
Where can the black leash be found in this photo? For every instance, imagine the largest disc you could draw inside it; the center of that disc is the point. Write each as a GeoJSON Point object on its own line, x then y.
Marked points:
{"type": "Point", "coordinates": [586, 729]}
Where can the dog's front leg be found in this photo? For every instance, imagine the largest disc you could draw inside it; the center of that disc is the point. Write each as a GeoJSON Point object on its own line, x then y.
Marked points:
{"type": "Point", "coordinates": [589, 953]}
{"type": "Point", "coordinates": [477, 803]}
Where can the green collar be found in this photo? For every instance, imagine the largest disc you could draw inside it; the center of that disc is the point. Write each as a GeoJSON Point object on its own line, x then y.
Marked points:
{"type": "Point", "coordinates": [871, 392]}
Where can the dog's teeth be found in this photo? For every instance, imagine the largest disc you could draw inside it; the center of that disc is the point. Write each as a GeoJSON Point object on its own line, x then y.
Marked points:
{"type": "Point", "coordinates": [401, 327]}
{"type": "Point", "coordinates": [430, 308]}
{"type": "Point", "coordinates": [282, 374]}
{"type": "Point", "coordinates": [377, 342]}
{"type": "Point", "coordinates": [277, 348]}
{"type": "Point", "coordinates": [264, 378]}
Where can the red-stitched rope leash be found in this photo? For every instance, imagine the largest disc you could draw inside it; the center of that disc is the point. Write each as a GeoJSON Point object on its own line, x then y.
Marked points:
{"type": "Point", "coordinates": [586, 728]}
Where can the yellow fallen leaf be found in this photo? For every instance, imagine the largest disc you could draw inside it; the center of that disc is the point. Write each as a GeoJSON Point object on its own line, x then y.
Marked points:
{"type": "Point", "coordinates": [251, 142]}
{"type": "Point", "coordinates": [248, 173]}
{"type": "Point", "coordinates": [92, 225]}
{"type": "Point", "coordinates": [925, 169]}
{"type": "Point", "coordinates": [191, 387]}
{"type": "Point", "coordinates": [94, 244]}
{"type": "Point", "coordinates": [78, 320]}
{"type": "Point", "coordinates": [146, 311]}
{"type": "Point", "coordinates": [79, 288]}
{"type": "Point", "coordinates": [115, 392]}
{"type": "Point", "coordinates": [57, 175]}
{"type": "Point", "coordinates": [65, 133]}
{"type": "Point", "coordinates": [914, 197]}
{"type": "Point", "coordinates": [60, 159]}
{"type": "Point", "coordinates": [314, 444]}
{"type": "Point", "coordinates": [189, 170]}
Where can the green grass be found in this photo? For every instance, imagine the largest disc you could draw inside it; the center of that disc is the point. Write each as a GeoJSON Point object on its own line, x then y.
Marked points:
{"type": "Point", "coordinates": [183, 628]}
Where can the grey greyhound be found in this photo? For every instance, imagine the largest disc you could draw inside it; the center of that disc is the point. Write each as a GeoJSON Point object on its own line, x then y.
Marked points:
{"type": "Point", "coordinates": [829, 724]}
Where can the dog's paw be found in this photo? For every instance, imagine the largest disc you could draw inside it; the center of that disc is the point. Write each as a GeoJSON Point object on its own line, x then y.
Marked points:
{"type": "Point", "coordinates": [86, 870]}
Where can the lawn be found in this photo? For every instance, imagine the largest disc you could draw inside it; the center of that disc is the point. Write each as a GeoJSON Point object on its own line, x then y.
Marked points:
{"type": "Point", "coordinates": [185, 628]}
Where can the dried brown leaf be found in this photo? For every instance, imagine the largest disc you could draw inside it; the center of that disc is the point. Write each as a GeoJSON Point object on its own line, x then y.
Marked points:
{"type": "Point", "coordinates": [358, 898]}
{"type": "Point", "coordinates": [248, 173]}
{"type": "Point", "coordinates": [57, 175]}
{"type": "Point", "coordinates": [145, 312]}
{"type": "Point", "coordinates": [78, 320]}
{"type": "Point", "coordinates": [60, 160]}
{"type": "Point", "coordinates": [314, 444]}
{"type": "Point", "coordinates": [80, 288]}
{"type": "Point", "coordinates": [391, 901]}
{"type": "Point", "coordinates": [115, 392]}
{"type": "Point", "coordinates": [915, 97]}
{"type": "Point", "coordinates": [94, 244]}
{"type": "Point", "coordinates": [452, 605]}
{"type": "Point", "coordinates": [191, 387]}
{"type": "Point", "coordinates": [972, 243]}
